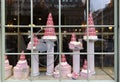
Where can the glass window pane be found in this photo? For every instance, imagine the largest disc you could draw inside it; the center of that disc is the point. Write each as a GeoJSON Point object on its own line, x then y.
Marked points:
{"type": "Point", "coordinates": [16, 39]}
{"type": "Point", "coordinates": [72, 13]}
{"type": "Point", "coordinates": [46, 68]}
{"type": "Point", "coordinates": [17, 12]}
{"type": "Point", "coordinates": [42, 9]}
{"type": "Point", "coordinates": [103, 11]}
{"type": "Point", "coordinates": [104, 69]}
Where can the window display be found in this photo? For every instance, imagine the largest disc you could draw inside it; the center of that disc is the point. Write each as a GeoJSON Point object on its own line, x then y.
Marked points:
{"type": "Point", "coordinates": [59, 41]}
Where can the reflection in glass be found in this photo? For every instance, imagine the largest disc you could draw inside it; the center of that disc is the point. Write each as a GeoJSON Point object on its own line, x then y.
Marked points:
{"type": "Point", "coordinates": [41, 10]}
{"type": "Point", "coordinates": [103, 11]}
{"type": "Point", "coordinates": [17, 12]}
{"type": "Point", "coordinates": [72, 12]}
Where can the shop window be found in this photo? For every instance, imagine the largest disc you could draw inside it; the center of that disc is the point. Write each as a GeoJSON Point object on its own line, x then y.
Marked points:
{"type": "Point", "coordinates": [53, 41]}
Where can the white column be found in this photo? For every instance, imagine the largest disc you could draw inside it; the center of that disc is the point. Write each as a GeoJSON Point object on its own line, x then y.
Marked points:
{"type": "Point", "coordinates": [50, 58]}
{"type": "Point", "coordinates": [35, 63]}
{"type": "Point", "coordinates": [91, 61]}
{"type": "Point", "coordinates": [76, 62]}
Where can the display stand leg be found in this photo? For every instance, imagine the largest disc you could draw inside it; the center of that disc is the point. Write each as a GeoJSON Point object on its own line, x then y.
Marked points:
{"type": "Point", "coordinates": [35, 64]}
{"type": "Point", "coordinates": [76, 62]}
{"type": "Point", "coordinates": [50, 59]}
{"type": "Point", "coordinates": [91, 60]}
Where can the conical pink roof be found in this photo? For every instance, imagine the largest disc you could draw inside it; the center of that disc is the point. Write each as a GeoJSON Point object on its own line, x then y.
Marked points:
{"type": "Point", "coordinates": [90, 19]}
{"type": "Point", "coordinates": [50, 21]}
{"type": "Point", "coordinates": [22, 56]}
{"type": "Point", "coordinates": [85, 64]}
{"type": "Point", "coordinates": [5, 57]}
{"type": "Point", "coordinates": [63, 58]}
{"type": "Point", "coordinates": [49, 30]}
{"type": "Point", "coordinates": [73, 38]}
{"type": "Point", "coordinates": [91, 28]}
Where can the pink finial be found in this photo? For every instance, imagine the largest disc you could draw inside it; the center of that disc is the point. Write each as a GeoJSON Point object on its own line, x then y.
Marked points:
{"type": "Point", "coordinates": [49, 30]}
{"type": "Point", "coordinates": [91, 28]}
{"type": "Point", "coordinates": [63, 58]}
{"type": "Point", "coordinates": [85, 64]}
{"type": "Point", "coordinates": [50, 21]}
{"type": "Point", "coordinates": [90, 19]}
{"type": "Point", "coordinates": [73, 38]}
{"type": "Point", "coordinates": [22, 57]}
{"type": "Point", "coordinates": [5, 57]}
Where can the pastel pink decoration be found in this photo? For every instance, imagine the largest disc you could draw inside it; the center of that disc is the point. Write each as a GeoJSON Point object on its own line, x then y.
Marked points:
{"type": "Point", "coordinates": [91, 28]}
{"type": "Point", "coordinates": [35, 43]}
{"type": "Point", "coordinates": [65, 67]}
{"type": "Point", "coordinates": [85, 72]}
{"type": "Point", "coordinates": [73, 38]}
{"type": "Point", "coordinates": [5, 57]}
{"type": "Point", "coordinates": [49, 30]}
{"type": "Point", "coordinates": [56, 74]}
{"type": "Point", "coordinates": [85, 65]}
{"type": "Point", "coordinates": [22, 57]}
{"type": "Point", "coordinates": [74, 45]}
{"type": "Point", "coordinates": [91, 37]}
{"type": "Point", "coordinates": [75, 75]}
{"type": "Point", "coordinates": [8, 68]}
{"type": "Point", "coordinates": [21, 70]}
{"type": "Point", "coordinates": [63, 58]}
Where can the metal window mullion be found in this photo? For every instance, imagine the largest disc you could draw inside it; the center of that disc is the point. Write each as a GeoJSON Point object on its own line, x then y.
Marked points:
{"type": "Point", "coordinates": [3, 38]}
{"type": "Point", "coordinates": [67, 53]}
{"type": "Point", "coordinates": [87, 36]}
{"type": "Point", "coordinates": [63, 26]}
{"type": "Point", "coordinates": [119, 41]}
{"type": "Point", "coordinates": [115, 40]}
{"type": "Point", "coordinates": [60, 43]}
{"type": "Point", "coordinates": [0, 53]}
{"type": "Point", "coordinates": [31, 32]}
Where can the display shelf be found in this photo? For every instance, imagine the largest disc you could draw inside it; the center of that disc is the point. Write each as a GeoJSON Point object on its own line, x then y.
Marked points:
{"type": "Point", "coordinates": [100, 75]}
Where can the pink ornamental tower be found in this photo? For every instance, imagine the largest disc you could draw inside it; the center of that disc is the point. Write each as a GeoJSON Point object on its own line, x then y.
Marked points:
{"type": "Point", "coordinates": [21, 70]}
{"type": "Point", "coordinates": [50, 30]}
{"type": "Point", "coordinates": [50, 37]}
{"type": "Point", "coordinates": [35, 43]}
{"type": "Point", "coordinates": [35, 64]}
{"type": "Point", "coordinates": [75, 46]}
{"type": "Point", "coordinates": [91, 38]}
{"type": "Point", "coordinates": [8, 68]}
{"type": "Point", "coordinates": [85, 72]}
{"type": "Point", "coordinates": [63, 67]}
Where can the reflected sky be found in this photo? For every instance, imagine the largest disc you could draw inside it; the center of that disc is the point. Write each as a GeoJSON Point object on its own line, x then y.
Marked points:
{"type": "Point", "coordinates": [98, 4]}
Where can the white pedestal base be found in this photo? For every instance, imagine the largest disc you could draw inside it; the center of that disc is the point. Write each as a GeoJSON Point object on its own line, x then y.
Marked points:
{"type": "Point", "coordinates": [91, 60]}
{"type": "Point", "coordinates": [35, 64]}
{"type": "Point", "coordinates": [76, 62]}
{"type": "Point", "coordinates": [50, 58]}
